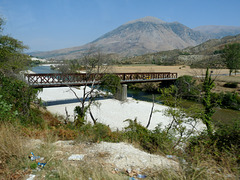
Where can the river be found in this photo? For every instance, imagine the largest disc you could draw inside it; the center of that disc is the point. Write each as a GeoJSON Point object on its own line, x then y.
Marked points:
{"type": "Point", "coordinates": [223, 115]}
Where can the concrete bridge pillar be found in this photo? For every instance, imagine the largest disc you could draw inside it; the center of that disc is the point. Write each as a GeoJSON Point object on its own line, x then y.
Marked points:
{"type": "Point", "coordinates": [122, 93]}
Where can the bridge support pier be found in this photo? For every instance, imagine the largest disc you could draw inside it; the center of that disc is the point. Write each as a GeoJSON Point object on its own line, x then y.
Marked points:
{"type": "Point", "coordinates": [122, 93]}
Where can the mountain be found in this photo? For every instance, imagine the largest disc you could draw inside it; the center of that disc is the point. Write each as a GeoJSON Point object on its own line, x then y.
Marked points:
{"type": "Point", "coordinates": [217, 32]}
{"type": "Point", "coordinates": [141, 36]}
{"type": "Point", "coordinates": [207, 54]}
{"type": "Point", "coordinates": [136, 37]}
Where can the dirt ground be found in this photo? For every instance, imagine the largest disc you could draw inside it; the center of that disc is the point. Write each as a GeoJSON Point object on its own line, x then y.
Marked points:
{"type": "Point", "coordinates": [220, 75]}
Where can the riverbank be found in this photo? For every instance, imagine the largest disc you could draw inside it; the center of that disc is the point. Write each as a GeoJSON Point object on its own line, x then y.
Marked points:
{"type": "Point", "coordinates": [108, 111]}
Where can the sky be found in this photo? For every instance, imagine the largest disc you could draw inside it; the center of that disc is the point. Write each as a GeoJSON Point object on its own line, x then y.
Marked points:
{"type": "Point", "coordinates": [46, 25]}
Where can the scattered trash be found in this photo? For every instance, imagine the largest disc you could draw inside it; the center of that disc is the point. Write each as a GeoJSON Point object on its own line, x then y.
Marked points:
{"type": "Point", "coordinates": [33, 157]}
{"type": "Point", "coordinates": [31, 177]}
{"type": "Point", "coordinates": [115, 171]}
{"type": "Point", "coordinates": [129, 170]}
{"type": "Point", "coordinates": [41, 165]}
{"type": "Point", "coordinates": [76, 157]}
{"type": "Point", "coordinates": [132, 178]}
{"type": "Point", "coordinates": [36, 159]}
{"type": "Point", "coordinates": [170, 156]}
{"type": "Point", "coordinates": [141, 176]}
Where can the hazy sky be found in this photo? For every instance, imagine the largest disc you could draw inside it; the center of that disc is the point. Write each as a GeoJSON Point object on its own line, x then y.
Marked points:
{"type": "Point", "coordinates": [54, 24]}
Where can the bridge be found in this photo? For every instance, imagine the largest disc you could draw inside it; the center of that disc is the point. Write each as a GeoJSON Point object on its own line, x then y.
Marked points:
{"type": "Point", "coordinates": [81, 79]}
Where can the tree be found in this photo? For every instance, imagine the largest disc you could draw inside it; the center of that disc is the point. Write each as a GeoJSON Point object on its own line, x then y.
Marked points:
{"type": "Point", "coordinates": [181, 118]}
{"type": "Point", "coordinates": [231, 54]}
{"type": "Point", "coordinates": [92, 64]}
{"type": "Point", "coordinates": [16, 95]}
{"type": "Point", "coordinates": [111, 83]}
{"type": "Point", "coordinates": [186, 87]}
{"type": "Point", "coordinates": [208, 102]}
{"type": "Point", "coordinates": [12, 59]}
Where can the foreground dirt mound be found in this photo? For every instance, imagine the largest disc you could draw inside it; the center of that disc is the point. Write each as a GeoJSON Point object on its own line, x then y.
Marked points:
{"type": "Point", "coordinates": [69, 159]}
{"type": "Point", "coordinates": [125, 156]}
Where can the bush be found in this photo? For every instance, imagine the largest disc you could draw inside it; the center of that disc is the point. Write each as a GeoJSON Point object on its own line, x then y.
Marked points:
{"type": "Point", "coordinates": [225, 140]}
{"type": "Point", "coordinates": [231, 85]}
{"type": "Point", "coordinates": [19, 96]}
{"type": "Point", "coordinates": [98, 132]}
{"type": "Point", "coordinates": [152, 87]}
{"type": "Point", "coordinates": [110, 83]}
{"type": "Point", "coordinates": [152, 141]}
{"type": "Point", "coordinates": [228, 135]}
{"type": "Point", "coordinates": [186, 87]}
{"type": "Point", "coordinates": [229, 100]}
{"type": "Point", "coordinates": [6, 112]}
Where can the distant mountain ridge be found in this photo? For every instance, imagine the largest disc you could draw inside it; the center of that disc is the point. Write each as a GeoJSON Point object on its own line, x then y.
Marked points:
{"type": "Point", "coordinates": [217, 32]}
{"type": "Point", "coordinates": [206, 54]}
{"type": "Point", "coordinates": [137, 37]}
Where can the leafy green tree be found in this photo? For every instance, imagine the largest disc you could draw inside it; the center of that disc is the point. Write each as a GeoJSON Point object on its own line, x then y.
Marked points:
{"type": "Point", "coordinates": [110, 83]}
{"type": "Point", "coordinates": [187, 88]}
{"type": "Point", "coordinates": [12, 59]}
{"type": "Point", "coordinates": [231, 54]}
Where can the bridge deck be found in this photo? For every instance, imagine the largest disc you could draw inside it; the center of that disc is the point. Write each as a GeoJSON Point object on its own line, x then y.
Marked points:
{"type": "Point", "coordinates": [80, 79]}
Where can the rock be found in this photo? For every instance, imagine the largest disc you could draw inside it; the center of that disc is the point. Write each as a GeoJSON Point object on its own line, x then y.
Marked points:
{"type": "Point", "coordinates": [76, 157]}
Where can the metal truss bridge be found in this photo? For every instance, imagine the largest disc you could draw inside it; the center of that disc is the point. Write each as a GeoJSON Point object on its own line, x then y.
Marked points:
{"type": "Point", "coordinates": [81, 79]}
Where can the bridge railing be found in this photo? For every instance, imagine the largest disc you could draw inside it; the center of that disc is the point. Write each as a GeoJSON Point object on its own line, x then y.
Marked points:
{"type": "Point", "coordinates": [143, 76]}
{"type": "Point", "coordinates": [47, 80]}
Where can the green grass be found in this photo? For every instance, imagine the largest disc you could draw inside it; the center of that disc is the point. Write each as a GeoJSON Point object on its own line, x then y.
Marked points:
{"type": "Point", "coordinates": [220, 115]}
{"type": "Point", "coordinates": [225, 115]}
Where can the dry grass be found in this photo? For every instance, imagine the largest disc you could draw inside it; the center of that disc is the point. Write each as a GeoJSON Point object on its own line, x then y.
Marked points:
{"type": "Point", "coordinates": [220, 75]}
{"type": "Point", "coordinates": [12, 151]}
{"type": "Point", "coordinates": [14, 163]}
{"type": "Point", "coordinates": [181, 70]}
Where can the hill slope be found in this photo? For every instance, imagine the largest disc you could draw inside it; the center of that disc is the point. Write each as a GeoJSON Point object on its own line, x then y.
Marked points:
{"type": "Point", "coordinates": [206, 53]}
